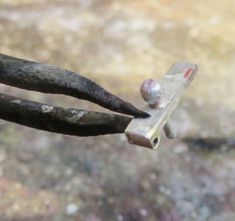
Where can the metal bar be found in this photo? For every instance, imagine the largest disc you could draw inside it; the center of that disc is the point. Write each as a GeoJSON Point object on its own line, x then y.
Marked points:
{"type": "Point", "coordinates": [51, 79]}
{"type": "Point", "coordinates": [59, 120]}
{"type": "Point", "coordinates": [147, 132]}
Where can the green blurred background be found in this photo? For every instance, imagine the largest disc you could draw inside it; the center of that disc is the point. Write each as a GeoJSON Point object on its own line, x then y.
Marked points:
{"type": "Point", "coordinates": [118, 44]}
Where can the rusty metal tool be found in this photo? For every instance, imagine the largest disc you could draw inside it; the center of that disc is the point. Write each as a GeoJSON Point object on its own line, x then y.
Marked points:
{"type": "Point", "coordinates": [51, 79]}
{"type": "Point", "coordinates": [45, 78]}
{"type": "Point", "coordinates": [162, 98]}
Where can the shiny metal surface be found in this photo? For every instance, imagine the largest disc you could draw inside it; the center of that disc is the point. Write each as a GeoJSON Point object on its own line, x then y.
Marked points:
{"type": "Point", "coordinates": [147, 132]}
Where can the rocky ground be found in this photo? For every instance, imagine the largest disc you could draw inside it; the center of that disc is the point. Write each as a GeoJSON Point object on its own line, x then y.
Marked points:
{"type": "Point", "coordinates": [46, 176]}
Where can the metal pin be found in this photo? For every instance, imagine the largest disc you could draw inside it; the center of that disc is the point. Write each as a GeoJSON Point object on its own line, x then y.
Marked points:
{"type": "Point", "coordinates": [169, 130]}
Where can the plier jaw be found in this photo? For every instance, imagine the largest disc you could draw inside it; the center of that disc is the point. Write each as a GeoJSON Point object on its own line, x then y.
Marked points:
{"type": "Point", "coordinates": [44, 78]}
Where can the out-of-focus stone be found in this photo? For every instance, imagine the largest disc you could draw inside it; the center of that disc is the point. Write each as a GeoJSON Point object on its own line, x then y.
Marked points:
{"type": "Point", "coordinates": [71, 209]}
{"type": "Point", "coordinates": [19, 201]}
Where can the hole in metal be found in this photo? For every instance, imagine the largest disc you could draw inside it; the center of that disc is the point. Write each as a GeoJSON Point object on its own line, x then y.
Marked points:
{"type": "Point", "coordinates": [156, 142]}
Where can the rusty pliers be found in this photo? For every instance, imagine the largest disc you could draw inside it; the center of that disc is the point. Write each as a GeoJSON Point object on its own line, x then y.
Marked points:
{"type": "Point", "coordinates": [46, 78]}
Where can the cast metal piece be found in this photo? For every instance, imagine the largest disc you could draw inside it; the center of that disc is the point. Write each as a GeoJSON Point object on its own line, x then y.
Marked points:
{"type": "Point", "coordinates": [146, 132]}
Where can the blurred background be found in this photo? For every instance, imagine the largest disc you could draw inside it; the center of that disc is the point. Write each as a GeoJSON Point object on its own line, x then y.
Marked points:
{"type": "Point", "coordinates": [118, 44]}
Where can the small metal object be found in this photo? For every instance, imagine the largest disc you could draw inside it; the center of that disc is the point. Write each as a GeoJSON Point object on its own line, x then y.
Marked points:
{"type": "Point", "coordinates": [162, 97]}
{"type": "Point", "coordinates": [151, 91]}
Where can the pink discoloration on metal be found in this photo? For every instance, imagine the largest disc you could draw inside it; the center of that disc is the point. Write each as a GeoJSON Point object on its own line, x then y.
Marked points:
{"type": "Point", "coordinates": [188, 73]}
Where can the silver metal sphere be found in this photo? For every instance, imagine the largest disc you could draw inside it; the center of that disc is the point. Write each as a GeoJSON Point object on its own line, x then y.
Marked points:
{"type": "Point", "coordinates": [151, 91]}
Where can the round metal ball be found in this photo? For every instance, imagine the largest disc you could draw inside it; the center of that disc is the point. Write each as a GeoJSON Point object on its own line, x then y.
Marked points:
{"type": "Point", "coordinates": [151, 91]}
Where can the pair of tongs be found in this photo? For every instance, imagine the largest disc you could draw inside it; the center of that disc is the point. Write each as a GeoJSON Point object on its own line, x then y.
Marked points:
{"type": "Point", "coordinates": [51, 79]}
